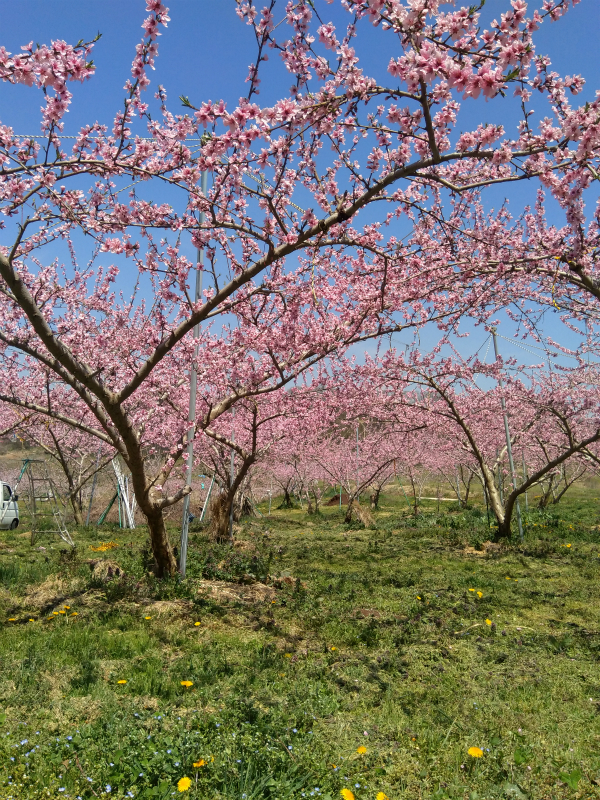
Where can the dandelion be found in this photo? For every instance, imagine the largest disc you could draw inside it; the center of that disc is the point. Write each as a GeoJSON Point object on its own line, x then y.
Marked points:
{"type": "Point", "coordinates": [334, 648]}
{"type": "Point", "coordinates": [201, 763]}
{"type": "Point", "coordinates": [55, 613]}
{"type": "Point", "coordinates": [471, 590]}
{"type": "Point", "coordinates": [68, 608]}
{"type": "Point", "coordinates": [31, 620]}
{"type": "Point", "coordinates": [418, 598]}
{"type": "Point", "coordinates": [479, 594]}
{"type": "Point", "coordinates": [183, 784]}
{"type": "Point", "coordinates": [347, 794]}
{"type": "Point", "coordinates": [187, 684]}
{"type": "Point", "coordinates": [62, 611]}
{"type": "Point", "coordinates": [12, 619]}
{"type": "Point", "coordinates": [147, 617]}
{"type": "Point", "coordinates": [75, 614]}
{"type": "Point", "coordinates": [361, 750]}
{"type": "Point", "coordinates": [568, 545]}
{"type": "Point", "coordinates": [287, 655]}
{"type": "Point", "coordinates": [488, 622]}
{"type": "Point", "coordinates": [475, 752]}
{"type": "Point", "coordinates": [381, 796]}
{"type": "Point", "coordinates": [196, 624]}
{"type": "Point", "coordinates": [122, 682]}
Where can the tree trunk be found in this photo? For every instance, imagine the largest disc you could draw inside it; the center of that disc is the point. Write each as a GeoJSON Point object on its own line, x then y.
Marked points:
{"type": "Point", "coordinates": [467, 492]}
{"type": "Point", "coordinates": [546, 494]}
{"type": "Point", "coordinates": [287, 500]}
{"type": "Point", "coordinates": [503, 531]}
{"type": "Point", "coordinates": [161, 547]}
{"type": "Point", "coordinates": [220, 509]}
{"type": "Point", "coordinates": [349, 510]}
{"type": "Point", "coordinates": [77, 509]}
{"type": "Point", "coordinates": [374, 498]}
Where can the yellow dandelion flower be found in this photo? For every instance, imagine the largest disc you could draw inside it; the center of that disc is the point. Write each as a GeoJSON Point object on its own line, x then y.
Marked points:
{"type": "Point", "coordinates": [62, 611]}
{"type": "Point", "coordinates": [381, 796]}
{"type": "Point", "coordinates": [471, 590]}
{"type": "Point", "coordinates": [197, 623]}
{"type": "Point", "coordinates": [55, 613]}
{"type": "Point", "coordinates": [147, 617]}
{"type": "Point", "coordinates": [488, 622]}
{"type": "Point", "coordinates": [122, 682]}
{"type": "Point", "coordinates": [347, 794]}
{"type": "Point", "coordinates": [200, 763]}
{"type": "Point", "coordinates": [568, 545]}
{"type": "Point", "coordinates": [507, 578]}
{"type": "Point", "coordinates": [75, 614]}
{"type": "Point", "coordinates": [31, 620]}
{"type": "Point", "coordinates": [418, 598]}
{"type": "Point", "coordinates": [183, 784]}
{"type": "Point", "coordinates": [287, 655]}
{"type": "Point", "coordinates": [475, 752]}
{"type": "Point", "coordinates": [187, 684]}
{"type": "Point", "coordinates": [68, 608]}
{"type": "Point", "coordinates": [479, 594]}
{"type": "Point", "coordinates": [361, 750]}
{"type": "Point", "coordinates": [334, 648]}
{"type": "Point", "coordinates": [50, 617]}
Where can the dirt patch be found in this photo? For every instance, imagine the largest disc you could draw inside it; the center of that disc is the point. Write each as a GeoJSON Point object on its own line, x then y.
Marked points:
{"type": "Point", "coordinates": [486, 549]}
{"type": "Point", "coordinates": [237, 593]}
{"type": "Point", "coordinates": [244, 546]}
{"type": "Point", "coordinates": [169, 608]}
{"type": "Point", "coordinates": [366, 613]}
{"type": "Point", "coordinates": [52, 591]}
{"type": "Point", "coordinates": [335, 501]}
{"type": "Point", "coordinates": [286, 580]}
{"type": "Point", "coordinates": [103, 569]}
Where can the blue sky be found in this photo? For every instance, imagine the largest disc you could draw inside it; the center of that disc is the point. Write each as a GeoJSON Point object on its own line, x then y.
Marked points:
{"type": "Point", "coordinates": [206, 50]}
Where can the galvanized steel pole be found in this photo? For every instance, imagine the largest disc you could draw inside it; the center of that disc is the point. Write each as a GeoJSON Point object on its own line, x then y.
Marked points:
{"type": "Point", "coordinates": [185, 523]}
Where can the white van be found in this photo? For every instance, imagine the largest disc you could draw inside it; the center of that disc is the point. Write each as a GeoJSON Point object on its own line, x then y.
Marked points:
{"type": "Point", "coordinates": [9, 509]}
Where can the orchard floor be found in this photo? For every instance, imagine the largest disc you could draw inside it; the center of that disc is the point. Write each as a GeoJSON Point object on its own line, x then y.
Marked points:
{"type": "Point", "coordinates": [373, 661]}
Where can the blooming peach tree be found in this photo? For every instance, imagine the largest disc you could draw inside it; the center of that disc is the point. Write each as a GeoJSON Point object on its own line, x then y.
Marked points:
{"type": "Point", "coordinates": [315, 226]}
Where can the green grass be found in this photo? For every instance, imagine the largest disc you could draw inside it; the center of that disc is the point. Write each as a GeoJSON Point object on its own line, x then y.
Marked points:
{"type": "Point", "coordinates": [369, 638]}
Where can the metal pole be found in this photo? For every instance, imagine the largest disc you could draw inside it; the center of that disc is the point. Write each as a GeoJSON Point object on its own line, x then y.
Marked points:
{"type": "Point", "coordinates": [185, 522]}
{"type": "Point", "coordinates": [508, 442]}
{"type": "Point", "coordinates": [231, 478]}
{"type": "Point", "coordinates": [205, 506]}
{"type": "Point", "coordinates": [357, 474]}
{"type": "Point", "coordinates": [525, 478]}
{"type": "Point", "coordinates": [87, 522]}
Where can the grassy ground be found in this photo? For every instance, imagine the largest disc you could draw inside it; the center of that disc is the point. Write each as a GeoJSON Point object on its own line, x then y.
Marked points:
{"type": "Point", "coordinates": [367, 660]}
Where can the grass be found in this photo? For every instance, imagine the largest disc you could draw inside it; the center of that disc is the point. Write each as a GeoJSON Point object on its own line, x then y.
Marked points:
{"type": "Point", "coordinates": [352, 639]}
